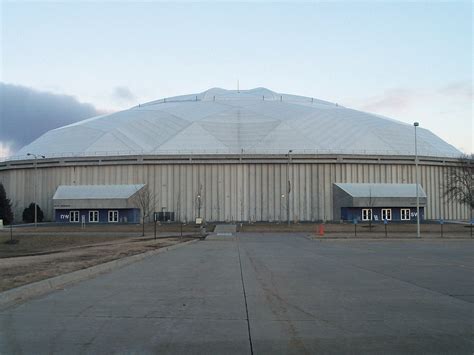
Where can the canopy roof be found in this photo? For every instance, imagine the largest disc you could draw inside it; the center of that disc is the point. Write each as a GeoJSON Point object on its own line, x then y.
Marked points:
{"type": "Point", "coordinates": [382, 190]}
{"type": "Point", "coordinates": [82, 192]}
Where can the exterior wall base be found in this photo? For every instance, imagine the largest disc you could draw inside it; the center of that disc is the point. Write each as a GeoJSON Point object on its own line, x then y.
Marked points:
{"type": "Point", "coordinates": [238, 188]}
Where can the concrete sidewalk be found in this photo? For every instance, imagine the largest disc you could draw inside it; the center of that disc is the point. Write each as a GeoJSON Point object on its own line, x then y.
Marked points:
{"type": "Point", "coordinates": [266, 294]}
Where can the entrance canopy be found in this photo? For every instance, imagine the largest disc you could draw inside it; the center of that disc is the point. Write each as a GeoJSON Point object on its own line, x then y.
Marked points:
{"type": "Point", "coordinates": [96, 196]}
{"type": "Point", "coordinates": [379, 195]}
{"type": "Point", "coordinates": [375, 196]}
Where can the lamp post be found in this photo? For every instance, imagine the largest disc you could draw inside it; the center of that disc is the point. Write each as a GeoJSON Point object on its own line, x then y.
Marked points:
{"type": "Point", "coordinates": [416, 124]}
{"type": "Point", "coordinates": [281, 208]}
{"type": "Point", "coordinates": [198, 198]}
{"type": "Point", "coordinates": [34, 184]}
{"type": "Point", "coordinates": [288, 188]}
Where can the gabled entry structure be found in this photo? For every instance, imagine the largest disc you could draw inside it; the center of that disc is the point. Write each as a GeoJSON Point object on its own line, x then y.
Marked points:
{"type": "Point", "coordinates": [97, 203]}
{"type": "Point", "coordinates": [377, 202]}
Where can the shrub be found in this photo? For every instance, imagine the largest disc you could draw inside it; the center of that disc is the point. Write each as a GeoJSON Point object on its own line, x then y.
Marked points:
{"type": "Point", "coordinates": [29, 214]}
{"type": "Point", "coordinates": [5, 207]}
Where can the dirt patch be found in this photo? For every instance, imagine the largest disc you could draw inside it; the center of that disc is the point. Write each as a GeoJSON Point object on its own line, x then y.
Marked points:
{"type": "Point", "coordinates": [55, 257]}
{"type": "Point", "coordinates": [108, 228]}
{"type": "Point", "coordinates": [32, 244]}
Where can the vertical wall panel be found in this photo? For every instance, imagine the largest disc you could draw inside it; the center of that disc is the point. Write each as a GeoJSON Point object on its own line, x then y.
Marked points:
{"type": "Point", "coordinates": [220, 192]}
{"type": "Point", "coordinates": [235, 191]}
{"type": "Point", "coordinates": [314, 193]}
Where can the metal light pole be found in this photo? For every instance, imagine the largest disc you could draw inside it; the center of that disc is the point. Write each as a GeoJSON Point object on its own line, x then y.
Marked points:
{"type": "Point", "coordinates": [281, 207]}
{"type": "Point", "coordinates": [199, 205]}
{"type": "Point", "coordinates": [416, 124]}
{"type": "Point", "coordinates": [34, 184]}
{"type": "Point", "coordinates": [288, 188]}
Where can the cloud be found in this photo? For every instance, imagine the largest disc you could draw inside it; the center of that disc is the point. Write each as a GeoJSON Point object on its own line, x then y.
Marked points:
{"type": "Point", "coordinates": [394, 99]}
{"type": "Point", "coordinates": [460, 89]}
{"type": "Point", "coordinates": [4, 150]}
{"type": "Point", "coordinates": [123, 94]}
{"type": "Point", "coordinates": [25, 114]}
{"type": "Point", "coordinates": [445, 110]}
{"type": "Point", "coordinates": [401, 99]}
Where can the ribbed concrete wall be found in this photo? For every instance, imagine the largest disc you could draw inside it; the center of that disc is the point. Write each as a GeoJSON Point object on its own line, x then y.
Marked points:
{"type": "Point", "coordinates": [234, 191]}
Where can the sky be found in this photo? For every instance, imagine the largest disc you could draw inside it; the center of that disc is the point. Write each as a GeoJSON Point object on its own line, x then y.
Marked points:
{"type": "Point", "coordinates": [411, 61]}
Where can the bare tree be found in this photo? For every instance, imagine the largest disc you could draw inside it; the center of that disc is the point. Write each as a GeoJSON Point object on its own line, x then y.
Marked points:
{"type": "Point", "coordinates": [459, 184]}
{"type": "Point", "coordinates": [145, 200]}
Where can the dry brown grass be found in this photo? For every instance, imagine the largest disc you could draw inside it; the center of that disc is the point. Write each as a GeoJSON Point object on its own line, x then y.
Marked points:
{"type": "Point", "coordinates": [50, 256]}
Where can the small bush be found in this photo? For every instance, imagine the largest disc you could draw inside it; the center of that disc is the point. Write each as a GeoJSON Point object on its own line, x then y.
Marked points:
{"type": "Point", "coordinates": [5, 207]}
{"type": "Point", "coordinates": [29, 214]}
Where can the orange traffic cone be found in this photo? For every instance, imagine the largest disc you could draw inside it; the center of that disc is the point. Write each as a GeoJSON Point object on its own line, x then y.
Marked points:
{"type": "Point", "coordinates": [321, 230]}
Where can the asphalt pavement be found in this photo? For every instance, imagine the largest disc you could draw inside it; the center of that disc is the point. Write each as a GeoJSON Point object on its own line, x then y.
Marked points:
{"type": "Point", "coordinates": [263, 294]}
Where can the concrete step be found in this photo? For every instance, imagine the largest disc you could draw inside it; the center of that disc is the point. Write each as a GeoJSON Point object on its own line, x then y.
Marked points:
{"type": "Point", "coordinates": [225, 230]}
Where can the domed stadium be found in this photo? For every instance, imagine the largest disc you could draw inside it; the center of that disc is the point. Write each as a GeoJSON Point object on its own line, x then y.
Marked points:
{"type": "Point", "coordinates": [248, 155]}
{"type": "Point", "coordinates": [218, 121]}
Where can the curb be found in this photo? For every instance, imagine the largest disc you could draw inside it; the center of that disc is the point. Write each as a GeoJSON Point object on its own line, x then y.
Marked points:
{"type": "Point", "coordinates": [39, 288]}
{"type": "Point", "coordinates": [309, 237]}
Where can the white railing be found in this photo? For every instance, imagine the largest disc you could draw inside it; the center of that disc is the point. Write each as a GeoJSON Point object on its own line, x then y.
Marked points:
{"type": "Point", "coordinates": [205, 151]}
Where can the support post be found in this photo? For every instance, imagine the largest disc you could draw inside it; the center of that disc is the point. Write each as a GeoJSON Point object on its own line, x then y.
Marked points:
{"type": "Point", "coordinates": [416, 124]}
{"type": "Point", "coordinates": [34, 193]}
{"type": "Point", "coordinates": [288, 188]}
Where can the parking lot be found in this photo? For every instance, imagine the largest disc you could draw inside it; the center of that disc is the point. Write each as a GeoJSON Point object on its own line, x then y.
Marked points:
{"type": "Point", "coordinates": [263, 293]}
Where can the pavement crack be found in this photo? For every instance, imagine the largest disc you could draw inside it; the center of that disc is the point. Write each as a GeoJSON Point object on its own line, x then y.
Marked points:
{"type": "Point", "coordinates": [279, 305]}
{"type": "Point", "coordinates": [245, 298]}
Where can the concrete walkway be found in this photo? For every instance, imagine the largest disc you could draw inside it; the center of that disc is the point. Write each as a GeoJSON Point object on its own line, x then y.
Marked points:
{"type": "Point", "coordinates": [263, 294]}
{"type": "Point", "coordinates": [225, 229]}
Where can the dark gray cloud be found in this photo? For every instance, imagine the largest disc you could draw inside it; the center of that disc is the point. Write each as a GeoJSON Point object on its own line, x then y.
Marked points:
{"type": "Point", "coordinates": [123, 94]}
{"type": "Point", "coordinates": [25, 113]}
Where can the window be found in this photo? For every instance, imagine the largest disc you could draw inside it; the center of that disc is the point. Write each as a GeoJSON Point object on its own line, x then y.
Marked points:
{"type": "Point", "coordinates": [386, 214]}
{"type": "Point", "coordinates": [367, 214]}
{"type": "Point", "coordinates": [405, 214]}
{"type": "Point", "coordinates": [93, 216]}
{"type": "Point", "coordinates": [113, 216]}
{"type": "Point", "coordinates": [74, 216]}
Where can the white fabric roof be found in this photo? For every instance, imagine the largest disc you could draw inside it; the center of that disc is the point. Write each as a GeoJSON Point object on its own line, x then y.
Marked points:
{"type": "Point", "coordinates": [79, 192]}
{"type": "Point", "coordinates": [382, 190]}
{"type": "Point", "coordinates": [219, 121]}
